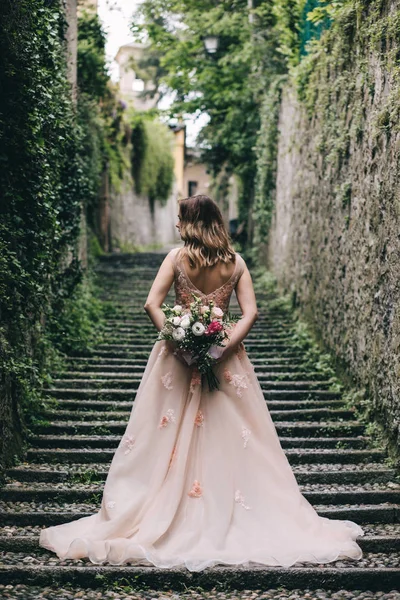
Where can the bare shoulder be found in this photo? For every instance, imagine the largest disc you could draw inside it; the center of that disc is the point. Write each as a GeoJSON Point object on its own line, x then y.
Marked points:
{"type": "Point", "coordinates": [240, 261]}
{"type": "Point", "coordinates": [173, 254]}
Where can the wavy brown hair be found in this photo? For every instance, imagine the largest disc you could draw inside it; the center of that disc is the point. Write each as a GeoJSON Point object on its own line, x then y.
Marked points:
{"type": "Point", "coordinates": [204, 233]}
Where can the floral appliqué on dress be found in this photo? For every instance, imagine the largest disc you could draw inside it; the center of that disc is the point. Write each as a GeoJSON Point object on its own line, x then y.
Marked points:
{"type": "Point", "coordinates": [239, 499]}
{"type": "Point", "coordinates": [196, 491]}
{"type": "Point", "coordinates": [246, 433]}
{"type": "Point", "coordinates": [169, 417]}
{"type": "Point", "coordinates": [238, 381]}
{"type": "Point", "coordinates": [199, 420]}
{"type": "Point", "coordinates": [128, 442]}
{"type": "Point", "coordinates": [167, 380]}
{"type": "Point", "coordinates": [111, 504]}
{"type": "Point", "coordinates": [196, 379]}
{"type": "Point", "coordinates": [164, 350]}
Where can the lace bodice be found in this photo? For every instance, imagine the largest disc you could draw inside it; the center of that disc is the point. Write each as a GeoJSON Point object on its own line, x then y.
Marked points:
{"type": "Point", "coordinates": [184, 288]}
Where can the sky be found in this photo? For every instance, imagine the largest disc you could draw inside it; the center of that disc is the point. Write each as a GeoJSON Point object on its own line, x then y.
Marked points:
{"type": "Point", "coordinates": [116, 16]}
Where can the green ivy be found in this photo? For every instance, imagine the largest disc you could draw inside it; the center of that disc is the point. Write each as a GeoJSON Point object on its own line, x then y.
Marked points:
{"type": "Point", "coordinates": [266, 152]}
{"type": "Point", "coordinates": [43, 184]}
{"type": "Point", "coordinates": [92, 69]}
{"type": "Point", "coordinates": [100, 114]}
{"type": "Point", "coordinates": [152, 159]}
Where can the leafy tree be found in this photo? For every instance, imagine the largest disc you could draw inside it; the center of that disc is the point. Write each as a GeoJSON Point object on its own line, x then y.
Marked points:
{"type": "Point", "coordinates": [236, 84]}
{"type": "Point", "coordinates": [228, 86]}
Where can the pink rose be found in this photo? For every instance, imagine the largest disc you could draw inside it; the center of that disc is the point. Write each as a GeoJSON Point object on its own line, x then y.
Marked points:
{"type": "Point", "coordinates": [217, 313]}
{"type": "Point", "coordinates": [214, 327]}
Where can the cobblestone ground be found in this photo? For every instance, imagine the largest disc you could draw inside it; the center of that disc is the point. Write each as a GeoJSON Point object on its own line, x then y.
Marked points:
{"type": "Point", "coordinates": [32, 593]}
{"type": "Point", "coordinates": [339, 468]}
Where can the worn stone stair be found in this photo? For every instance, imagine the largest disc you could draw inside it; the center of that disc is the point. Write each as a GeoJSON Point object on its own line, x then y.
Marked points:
{"type": "Point", "coordinates": [339, 470]}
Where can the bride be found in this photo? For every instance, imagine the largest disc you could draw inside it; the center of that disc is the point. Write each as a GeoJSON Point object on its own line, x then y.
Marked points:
{"type": "Point", "coordinates": [200, 478]}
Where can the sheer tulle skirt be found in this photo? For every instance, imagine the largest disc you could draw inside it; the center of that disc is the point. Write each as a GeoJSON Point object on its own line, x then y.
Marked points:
{"type": "Point", "coordinates": [200, 479]}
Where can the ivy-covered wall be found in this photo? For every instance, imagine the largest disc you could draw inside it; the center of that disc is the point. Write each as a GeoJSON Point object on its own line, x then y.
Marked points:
{"type": "Point", "coordinates": [46, 301]}
{"type": "Point", "coordinates": [144, 205]}
{"type": "Point", "coordinates": [334, 241]}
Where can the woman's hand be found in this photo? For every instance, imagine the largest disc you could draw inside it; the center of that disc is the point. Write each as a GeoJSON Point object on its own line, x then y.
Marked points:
{"type": "Point", "coordinates": [225, 352]}
{"type": "Point", "coordinates": [172, 347]}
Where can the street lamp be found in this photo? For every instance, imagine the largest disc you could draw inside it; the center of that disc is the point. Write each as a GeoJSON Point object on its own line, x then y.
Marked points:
{"type": "Point", "coordinates": [211, 43]}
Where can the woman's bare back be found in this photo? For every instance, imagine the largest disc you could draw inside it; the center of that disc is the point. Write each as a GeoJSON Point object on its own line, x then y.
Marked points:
{"type": "Point", "coordinates": [208, 279]}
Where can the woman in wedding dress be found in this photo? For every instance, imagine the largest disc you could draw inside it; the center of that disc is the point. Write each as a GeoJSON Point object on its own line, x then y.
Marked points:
{"type": "Point", "coordinates": [200, 478]}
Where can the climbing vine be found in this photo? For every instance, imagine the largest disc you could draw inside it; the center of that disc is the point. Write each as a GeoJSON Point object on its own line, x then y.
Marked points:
{"type": "Point", "coordinates": [41, 172]}
{"type": "Point", "coordinates": [43, 182]}
{"type": "Point", "coordinates": [341, 204]}
{"type": "Point", "coordinates": [266, 152]}
{"type": "Point", "coordinates": [105, 135]}
{"type": "Point", "coordinates": [152, 160]}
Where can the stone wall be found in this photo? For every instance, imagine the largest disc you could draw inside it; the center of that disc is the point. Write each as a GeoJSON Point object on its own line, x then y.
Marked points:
{"type": "Point", "coordinates": [335, 242]}
{"type": "Point", "coordinates": [134, 222]}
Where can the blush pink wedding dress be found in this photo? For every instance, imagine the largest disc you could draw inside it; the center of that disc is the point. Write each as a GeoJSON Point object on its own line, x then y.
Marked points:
{"type": "Point", "coordinates": [200, 478]}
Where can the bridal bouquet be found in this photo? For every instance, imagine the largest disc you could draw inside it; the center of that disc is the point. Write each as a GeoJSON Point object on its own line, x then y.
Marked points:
{"type": "Point", "coordinates": [198, 332]}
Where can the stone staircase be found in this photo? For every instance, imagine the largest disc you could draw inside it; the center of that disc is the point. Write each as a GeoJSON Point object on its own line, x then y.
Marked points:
{"type": "Point", "coordinates": [340, 471]}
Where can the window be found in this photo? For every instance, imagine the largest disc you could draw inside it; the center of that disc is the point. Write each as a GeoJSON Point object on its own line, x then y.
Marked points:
{"type": "Point", "coordinates": [192, 188]}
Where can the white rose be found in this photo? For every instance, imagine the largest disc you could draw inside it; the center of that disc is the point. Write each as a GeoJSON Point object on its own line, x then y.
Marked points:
{"type": "Point", "coordinates": [178, 334]}
{"type": "Point", "coordinates": [185, 322]}
{"type": "Point", "coordinates": [217, 312]}
{"type": "Point", "coordinates": [198, 328]}
{"type": "Point", "coordinates": [177, 309]}
{"type": "Point", "coordinates": [176, 321]}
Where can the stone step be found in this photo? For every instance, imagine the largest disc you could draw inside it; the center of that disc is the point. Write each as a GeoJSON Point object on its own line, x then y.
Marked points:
{"type": "Point", "coordinates": [147, 341]}
{"type": "Point", "coordinates": [89, 361]}
{"type": "Point", "coordinates": [134, 353]}
{"type": "Point", "coordinates": [306, 429]}
{"type": "Point", "coordinates": [254, 347]}
{"type": "Point", "coordinates": [86, 479]}
{"type": "Point", "coordinates": [139, 320]}
{"type": "Point", "coordinates": [111, 372]}
{"type": "Point", "coordinates": [76, 370]}
{"type": "Point", "coordinates": [390, 531]}
{"type": "Point", "coordinates": [144, 329]}
{"type": "Point", "coordinates": [129, 394]}
{"type": "Point", "coordinates": [58, 441]}
{"type": "Point", "coordinates": [350, 474]}
{"type": "Point", "coordinates": [350, 577]}
{"type": "Point", "coordinates": [115, 405]}
{"type": "Point", "coordinates": [143, 322]}
{"type": "Point", "coordinates": [12, 493]}
{"type": "Point", "coordinates": [276, 415]}
{"type": "Point", "coordinates": [281, 361]}
{"type": "Point", "coordinates": [137, 314]}
{"type": "Point", "coordinates": [54, 515]}
{"type": "Point", "coordinates": [29, 544]}
{"type": "Point", "coordinates": [295, 456]}
{"type": "Point", "coordinates": [143, 332]}
{"type": "Point", "coordinates": [133, 382]}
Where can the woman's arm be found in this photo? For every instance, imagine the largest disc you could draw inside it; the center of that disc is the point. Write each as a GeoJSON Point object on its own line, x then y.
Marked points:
{"type": "Point", "coordinates": [158, 291]}
{"type": "Point", "coordinates": [248, 305]}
